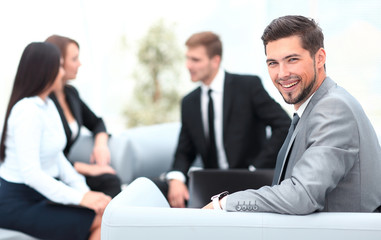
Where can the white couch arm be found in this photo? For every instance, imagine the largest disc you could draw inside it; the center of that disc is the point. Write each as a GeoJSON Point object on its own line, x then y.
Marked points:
{"type": "Point", "coordinates": [6, 234]}
{"type": "Point", "coordinates": [141, 212]}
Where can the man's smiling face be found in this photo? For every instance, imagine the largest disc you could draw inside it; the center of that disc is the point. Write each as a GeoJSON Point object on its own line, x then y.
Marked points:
{"type": "Point", "coordinates": [292, 69]}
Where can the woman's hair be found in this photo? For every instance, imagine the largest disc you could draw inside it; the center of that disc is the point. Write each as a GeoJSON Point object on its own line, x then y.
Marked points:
{"type": "Point", "coordinates": [307, 29]}
{"type": "Point", "coordinates": [209, 40]}
{"type": "Point", "coordinates": [37, 71]}
{"type": "Point", "coordinates": [61, 42]}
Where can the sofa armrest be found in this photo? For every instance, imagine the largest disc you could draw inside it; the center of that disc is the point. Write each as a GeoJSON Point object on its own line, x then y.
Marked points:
{"type": "Point", "coordinates": [6, 234]}
{"type": "Point", "coordinates": [142, 213]}
{"type": "Point", "coordinates": [132, 196]}
{"type": "Point", "coordinates": [130, 200]}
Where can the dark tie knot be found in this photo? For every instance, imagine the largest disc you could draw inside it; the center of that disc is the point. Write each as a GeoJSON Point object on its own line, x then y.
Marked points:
{"type": "Point", "coordinates": [210, 92]}
{"type": "Point", "coordinates": [295, 119]}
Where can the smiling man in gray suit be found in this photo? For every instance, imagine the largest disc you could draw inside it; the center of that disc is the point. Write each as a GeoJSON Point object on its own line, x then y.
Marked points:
{"type": "Point", "coordinates": [332, 161]}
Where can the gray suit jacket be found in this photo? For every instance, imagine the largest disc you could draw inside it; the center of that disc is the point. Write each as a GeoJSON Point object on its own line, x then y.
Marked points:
{"type": "Point", "coordinates": [334, 164]}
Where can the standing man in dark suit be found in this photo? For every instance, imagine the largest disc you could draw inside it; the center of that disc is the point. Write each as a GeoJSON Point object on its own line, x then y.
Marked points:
{"type": "Point", "coordinates": [239, 110]}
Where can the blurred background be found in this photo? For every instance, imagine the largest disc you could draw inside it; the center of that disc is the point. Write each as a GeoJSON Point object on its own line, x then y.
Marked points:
{"type": "Point", "coordinates": [132, 52]}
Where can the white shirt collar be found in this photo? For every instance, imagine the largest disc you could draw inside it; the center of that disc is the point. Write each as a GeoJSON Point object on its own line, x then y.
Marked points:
{"type": "Point", "coordinates": [39, 101]}
{"type": "Point", "coordinates": [217, 84]}
{"type": "Point", "coordinates": [302, 107]}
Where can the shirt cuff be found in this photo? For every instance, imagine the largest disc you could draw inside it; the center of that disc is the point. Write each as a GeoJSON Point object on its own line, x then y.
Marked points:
{"type": "Point", "coordinates": [176, 175]}
{"type": "Point", "coordinates": [223, 203]}
{"type": "Point", "coordinates": [78, 197]}
{"type": "Point", "coordinates": [251, 168]}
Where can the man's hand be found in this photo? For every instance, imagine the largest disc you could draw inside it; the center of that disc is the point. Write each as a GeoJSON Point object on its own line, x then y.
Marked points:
{"type": "Point", "coordinates": [209, 206]}
{"type": "Point", "coordinates": [177, 193]}
{"type": "Point", "coordinates": [96, 201]}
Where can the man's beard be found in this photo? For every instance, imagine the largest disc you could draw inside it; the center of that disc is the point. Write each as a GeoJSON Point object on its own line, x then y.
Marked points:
{"type": "Point", "coordinates": [306, 91]}
{"type": "Point", "coordinates": [304, 94]}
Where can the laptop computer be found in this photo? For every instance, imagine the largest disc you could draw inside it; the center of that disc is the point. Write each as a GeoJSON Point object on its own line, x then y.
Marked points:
{"type": "Point", "coordinates": [203, 184]}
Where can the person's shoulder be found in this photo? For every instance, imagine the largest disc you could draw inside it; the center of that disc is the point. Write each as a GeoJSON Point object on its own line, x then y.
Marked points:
{"type": "Point", "coordinates": [243, 77]}
{"type": "Point", "coordinates": [29, 103]}
{"type": "Point", "coordinates": [334, 103]}
{"type": "Point", "coordinates": [28, 107]}
{"type": "Point", "coordinates": [331, 92]}
{"type": "Point", "coordinates": [338, 97]}
{"type": "Point", "coordinates": [71, 90]}
{"type": "Point", "coordinates": [244, 82]}
{"type": "Point", "coordinates": [191, 95]}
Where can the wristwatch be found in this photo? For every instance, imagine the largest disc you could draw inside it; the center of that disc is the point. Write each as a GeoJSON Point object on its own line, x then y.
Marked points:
{"type": "Point", "coordinates": [216, 200]}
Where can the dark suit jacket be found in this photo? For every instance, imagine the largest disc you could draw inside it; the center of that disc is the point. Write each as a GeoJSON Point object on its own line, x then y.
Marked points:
{"type": "Point", "coordinates": [82, 114]}
{"type": "Point", "coordinates": [247, 110]}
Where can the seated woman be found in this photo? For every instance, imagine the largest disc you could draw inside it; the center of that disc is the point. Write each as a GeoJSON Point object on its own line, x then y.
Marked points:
{"type": "Point", "coordinates": [41, 194]}
{"type": "Point", "coordinates": [100, 176]}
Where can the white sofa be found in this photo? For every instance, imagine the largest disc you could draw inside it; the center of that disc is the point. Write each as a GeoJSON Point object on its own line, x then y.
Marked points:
{"type": "Point", "coordinates": [137, 152]}
{"type": "Point", "coordinates": [141, 212]}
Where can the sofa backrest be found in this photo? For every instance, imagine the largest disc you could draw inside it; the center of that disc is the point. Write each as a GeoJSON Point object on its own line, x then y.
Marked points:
{"type": "Point", "coordinates": [136, 152]}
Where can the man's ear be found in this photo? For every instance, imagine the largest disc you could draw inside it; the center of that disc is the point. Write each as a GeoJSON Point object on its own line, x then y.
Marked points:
{"type": "Point", "coordinates": [216, 61]}
{"type": "Point", "coordinates": [320, 58]}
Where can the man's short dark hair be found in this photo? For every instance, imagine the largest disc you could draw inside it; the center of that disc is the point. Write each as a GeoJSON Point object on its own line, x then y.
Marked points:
{"type": "Point", "coordinates": [209, 40]}
{"type": "Point", "coordinates": [306, 28]}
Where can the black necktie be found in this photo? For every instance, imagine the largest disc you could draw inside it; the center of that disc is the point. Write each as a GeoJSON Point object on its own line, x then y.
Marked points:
{"type": "Point", "coordinates": [212, 153]}
{"type": "Point", "coordinates": [282, 152]}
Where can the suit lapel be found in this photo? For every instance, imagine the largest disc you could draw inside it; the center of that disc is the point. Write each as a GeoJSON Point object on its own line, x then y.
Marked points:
{"type": "Point", "coordinates": [62, 116]}
{"type": "Point", "coordinates": [74, 106]}
{"type": "Point", "coordinates": [322, 90]}
{"type": "Point", "coordinates": [198, 126]}
{"type": "Point", "coordinates": [228, 99]}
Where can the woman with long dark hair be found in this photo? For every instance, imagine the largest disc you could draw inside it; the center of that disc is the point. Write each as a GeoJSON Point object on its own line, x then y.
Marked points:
{"type": "Point", "coordinates": [41, 194]}
{"type": "Point", "coordinates": [100, 176]}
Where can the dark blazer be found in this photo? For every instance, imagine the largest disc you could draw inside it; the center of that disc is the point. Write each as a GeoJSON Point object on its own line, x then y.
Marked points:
{"type": "Point", "coordinates": [82, 114]}
{"type": "Point", "coordinates": [247, 110]}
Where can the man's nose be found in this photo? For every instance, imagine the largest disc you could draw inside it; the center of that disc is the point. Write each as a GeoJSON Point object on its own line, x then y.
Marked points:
{"type": "Point", "coordinates": [283, 71]}
{"type": "Point", "coordinates": [188, 64]}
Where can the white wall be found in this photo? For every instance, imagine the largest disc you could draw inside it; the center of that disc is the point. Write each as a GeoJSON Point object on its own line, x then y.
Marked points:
{"type": "Point", "coordinates": [352, 30]}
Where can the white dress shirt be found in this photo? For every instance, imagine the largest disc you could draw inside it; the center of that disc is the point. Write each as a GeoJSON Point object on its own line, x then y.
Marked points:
{"type": "Point", "coordinates": [34, 152]}
{"type": "Point", "coordinates": [74, 128]}
{"type": "Point", "coordinates": [217, 87]}
{"type": "Point", "coordinates": [303, 106]}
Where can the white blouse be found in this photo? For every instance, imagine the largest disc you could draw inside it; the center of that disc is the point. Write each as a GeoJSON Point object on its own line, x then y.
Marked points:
{"type": "Point", "coordinates": [74, 129]}
{"type": "Point", "coordinates": [34, 152]}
